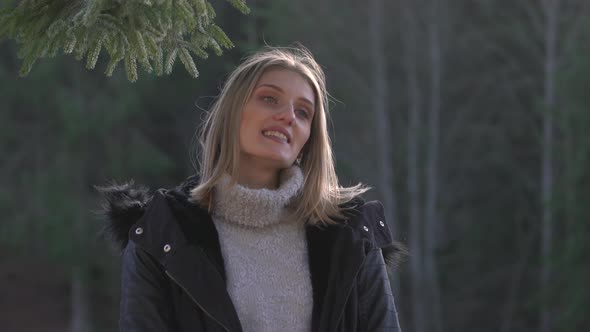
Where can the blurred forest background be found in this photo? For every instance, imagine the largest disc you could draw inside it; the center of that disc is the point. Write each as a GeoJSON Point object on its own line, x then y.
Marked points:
{"type": "Point", "coordinates": [470, 119]}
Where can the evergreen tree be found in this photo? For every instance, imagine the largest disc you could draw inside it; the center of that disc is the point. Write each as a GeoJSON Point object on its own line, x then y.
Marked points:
{"type": "Point", "coordinates": [151, 32]}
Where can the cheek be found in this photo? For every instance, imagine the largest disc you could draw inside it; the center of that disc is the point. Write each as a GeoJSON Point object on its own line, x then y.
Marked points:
{"type": "Point", "coordinates": [308, 132]}
{"type": "Point", "coordinates": [244, 134]}
{"type": "Point", "coordinates": [305, 138]}
{"type": "Point", "coordinates": [246, 123]}
{"type": "Point", "coordinates": [247, 134]}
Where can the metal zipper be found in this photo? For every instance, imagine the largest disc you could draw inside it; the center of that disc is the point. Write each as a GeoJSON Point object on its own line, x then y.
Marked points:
{"type": "Point", "coordinates": [195, 301]}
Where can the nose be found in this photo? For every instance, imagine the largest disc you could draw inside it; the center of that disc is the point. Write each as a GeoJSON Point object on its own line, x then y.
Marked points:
{"type": "Point", "coordinates": [286, 114]}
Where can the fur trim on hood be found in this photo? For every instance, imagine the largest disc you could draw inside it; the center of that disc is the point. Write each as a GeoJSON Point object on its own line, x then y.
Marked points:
{"type": "Point", "coordinates": [122, 206]}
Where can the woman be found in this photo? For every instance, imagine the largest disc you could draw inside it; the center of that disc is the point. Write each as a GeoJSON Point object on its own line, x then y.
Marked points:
{"type": "Point", "coordinates": [264, 239]}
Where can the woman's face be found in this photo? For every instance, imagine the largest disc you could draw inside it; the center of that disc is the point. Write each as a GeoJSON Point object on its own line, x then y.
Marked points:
{"type": "Point", "coordinates": [276, 120]}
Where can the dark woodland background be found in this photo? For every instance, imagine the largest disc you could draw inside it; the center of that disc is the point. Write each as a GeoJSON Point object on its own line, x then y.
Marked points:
{"type": "Point", "coordinates": [470, 119]}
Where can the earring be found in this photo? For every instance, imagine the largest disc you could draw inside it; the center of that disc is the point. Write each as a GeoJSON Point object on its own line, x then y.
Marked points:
{"type": "Point", "coordinates": [298, 160]}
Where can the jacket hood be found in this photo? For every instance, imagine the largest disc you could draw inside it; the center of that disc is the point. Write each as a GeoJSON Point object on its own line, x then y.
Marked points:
{"type": "Point", "coordinates": [124, 204]}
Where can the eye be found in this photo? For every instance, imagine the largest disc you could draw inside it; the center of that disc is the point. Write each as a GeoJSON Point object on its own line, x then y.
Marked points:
{"type": "Point", "coordinates": [303, 113]}
{"type": "Point", "coordinates": [269, 99]}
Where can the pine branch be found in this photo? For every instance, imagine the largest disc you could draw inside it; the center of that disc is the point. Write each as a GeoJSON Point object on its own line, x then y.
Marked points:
{"type": "Point", "coordinates": [187, 61]}
{"type": "Point", "coordinates": [151, 32]}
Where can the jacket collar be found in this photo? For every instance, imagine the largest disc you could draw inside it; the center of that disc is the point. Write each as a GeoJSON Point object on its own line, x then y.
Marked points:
{"type": "Point", "coordinates": [125, 204]}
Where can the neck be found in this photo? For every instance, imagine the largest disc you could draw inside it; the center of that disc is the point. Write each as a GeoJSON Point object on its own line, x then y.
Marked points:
{"type": "Point", "coordinates": [258, 178]}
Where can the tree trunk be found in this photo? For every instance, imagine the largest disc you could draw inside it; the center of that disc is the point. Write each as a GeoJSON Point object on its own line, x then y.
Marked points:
{"type": "Point", "coordinates": [79, 302]}
{"type": "Point", "coordinates": [515, 280]}
{"type": "Point", "coordinates": [409, 37]}
{"type": "Point", "coordinates": [383, 133]}
{"type": "Point", "coordinates": [431, 219]}
{"type": "Point", "coordinates": [551, 11]}
{"type": "Point", "coordinates": [252, 23]}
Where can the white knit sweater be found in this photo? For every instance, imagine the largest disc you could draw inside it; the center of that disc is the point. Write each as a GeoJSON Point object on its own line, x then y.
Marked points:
{"type": "Point", "coordinates": [265, 255]}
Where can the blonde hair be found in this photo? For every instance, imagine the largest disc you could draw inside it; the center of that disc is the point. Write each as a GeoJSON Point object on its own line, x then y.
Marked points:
{"type": "Point", "coordinates": [321, 198]}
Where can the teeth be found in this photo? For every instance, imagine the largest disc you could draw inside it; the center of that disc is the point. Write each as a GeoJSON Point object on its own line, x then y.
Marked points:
{"type": "Point", "coordinates": [276, 134]}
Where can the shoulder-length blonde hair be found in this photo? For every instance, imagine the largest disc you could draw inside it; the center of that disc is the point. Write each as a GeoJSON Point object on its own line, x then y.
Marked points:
{"type": "Point", "coordinates": [321, 198]}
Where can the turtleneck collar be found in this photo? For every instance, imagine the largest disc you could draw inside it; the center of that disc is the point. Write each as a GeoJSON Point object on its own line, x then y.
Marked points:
{"type": "Point", "coordinates": [256, 207]}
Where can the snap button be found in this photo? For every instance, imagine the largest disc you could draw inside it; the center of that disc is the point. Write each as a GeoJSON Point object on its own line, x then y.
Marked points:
{"type": "Point", "coordinates": [366, 228]}
{"type": "Point", "coordinates": [138, 230]}
{"type": "Point", "coordinates": [167, 248]}
{"type": "Point", "coordinates": [381, 223]}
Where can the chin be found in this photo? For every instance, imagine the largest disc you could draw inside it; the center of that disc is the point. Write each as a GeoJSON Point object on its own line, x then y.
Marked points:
{"type": "Point", "coordinates": [281, 163]}
{"type": "Point", "coordinates": [277, 158]}
{"type": "Point", "coordinates": [271, 158]}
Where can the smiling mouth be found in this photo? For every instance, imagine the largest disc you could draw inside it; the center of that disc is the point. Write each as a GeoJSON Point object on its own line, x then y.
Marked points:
{"type": "Point", "coordinates": [275, 134]}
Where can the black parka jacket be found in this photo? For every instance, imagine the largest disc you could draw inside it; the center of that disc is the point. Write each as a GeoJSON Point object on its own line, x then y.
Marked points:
{"type": "Point", "coordinates": [173, 276]}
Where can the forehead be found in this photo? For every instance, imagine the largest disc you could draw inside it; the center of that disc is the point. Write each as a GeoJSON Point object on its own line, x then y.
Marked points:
{"type": "Point", "coordinates": [289, 81]}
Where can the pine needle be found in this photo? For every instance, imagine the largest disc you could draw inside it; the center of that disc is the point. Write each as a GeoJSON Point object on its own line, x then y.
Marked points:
{"type": "Point", "coordinates": [131, 66]}
{"type": "Point", "coordinates": [92, 56]}
{"type": "Point", "coordinates": [170, 59]}
{"type": "Point", "coordinates": [187, 61]}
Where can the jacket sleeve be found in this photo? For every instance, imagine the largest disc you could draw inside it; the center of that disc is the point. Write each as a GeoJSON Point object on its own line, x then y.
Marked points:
{"type": "Point", "coordinates": [377, 306]}
{"type": "Point", "coordinates": [145, 304]}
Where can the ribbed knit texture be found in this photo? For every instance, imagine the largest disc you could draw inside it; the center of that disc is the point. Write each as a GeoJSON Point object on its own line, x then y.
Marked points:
{"type": "Point", "coordinates": [265, 255]}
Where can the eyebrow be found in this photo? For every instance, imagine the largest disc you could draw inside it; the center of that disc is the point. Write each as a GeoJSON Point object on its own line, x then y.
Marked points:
{"type": "Point", "coordinates": [281, 90]}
